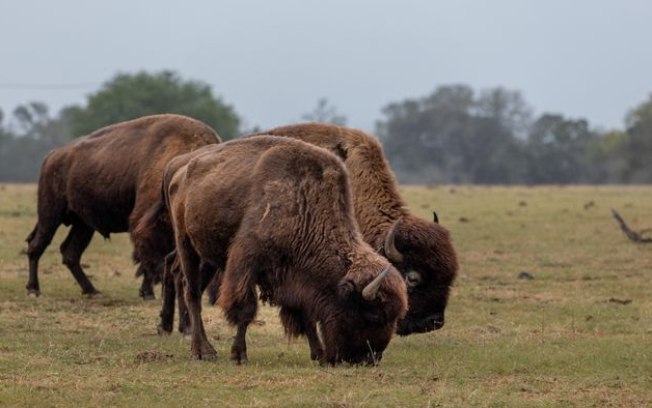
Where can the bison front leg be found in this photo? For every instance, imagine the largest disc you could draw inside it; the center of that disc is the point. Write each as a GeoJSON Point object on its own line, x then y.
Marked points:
{"type": "Point", "coordinates": [242, 313]}
{"type": "Point", "coordinates": [331, 355]}
{"type": "Point", "coordinates": [239, 346]}
{"type": "Point", "coordinates": [200, 348]}
{"type": "Point", "coordinates": [316, 350]}
{"type": "Point", "coordinates": [73, 246]}
{"type": "Point", "coordinates": [296, 323]}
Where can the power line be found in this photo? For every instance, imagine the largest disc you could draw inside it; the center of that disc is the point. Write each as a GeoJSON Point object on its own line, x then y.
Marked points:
{"type": "Point", "coordinates": [46, 87]}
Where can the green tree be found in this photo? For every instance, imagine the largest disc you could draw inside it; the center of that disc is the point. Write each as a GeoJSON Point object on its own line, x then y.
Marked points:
{"type": "Point", "coordinates": [607, 157]}
{"type": "Point", "coordinates": [508, 108]}
{"type": "Point", "coordinates": [638, 148]}
{"type": "Point", "coordinates": [21, 153]}
{"type": "Point", "coordinates": [451, 136]}
{"type": "Point", "coordinates": [559, 150]}
{"type": "Point", "coordinates": [5, 140]}
{"type": "Point", "coordinates": [128, 96]}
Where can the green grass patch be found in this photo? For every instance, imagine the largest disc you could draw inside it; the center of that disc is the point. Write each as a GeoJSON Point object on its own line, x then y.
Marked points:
{"type": "Point", "coordinates": [578, 334]}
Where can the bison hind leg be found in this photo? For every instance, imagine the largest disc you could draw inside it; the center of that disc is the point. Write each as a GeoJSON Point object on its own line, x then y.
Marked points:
{"type": "Point", "coordinates": [73, 246]}
{"type": "Point", "coordinates": [37, 241]}
{"type": "Point", "coordinates": [189, 260]}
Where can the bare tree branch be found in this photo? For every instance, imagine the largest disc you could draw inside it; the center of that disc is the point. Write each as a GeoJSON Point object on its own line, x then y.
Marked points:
{"type": "Point", "coordinates": [631, 234]}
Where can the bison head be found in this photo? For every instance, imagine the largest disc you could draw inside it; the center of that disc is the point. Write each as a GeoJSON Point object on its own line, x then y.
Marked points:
{"type": "Point", "coordinates": [365, 319]}
{"type": "Point", "coordinates": [423, 253]}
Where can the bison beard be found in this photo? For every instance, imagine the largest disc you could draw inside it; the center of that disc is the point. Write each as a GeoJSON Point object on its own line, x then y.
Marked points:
{"type": "Point", "coordinates": [282, 210]}
{"type": "Point", "coordinates": [105, 182]}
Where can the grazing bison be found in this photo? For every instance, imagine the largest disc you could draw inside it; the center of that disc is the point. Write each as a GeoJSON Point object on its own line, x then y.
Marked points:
{"type": "Point", "coordinates": [281, 210]}
{"type": "Point", "coordinates": [420, 250]}
{"type": "Point", "coordinates": [105, 182]}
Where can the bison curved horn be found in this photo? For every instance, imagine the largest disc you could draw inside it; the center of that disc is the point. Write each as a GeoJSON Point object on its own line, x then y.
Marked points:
{"type": "Point", "coordinates": [390, 248]}
{"type": "Point", "coordinates": [435, 218]}
{"type": "Point", "coordinates": [371, 290]}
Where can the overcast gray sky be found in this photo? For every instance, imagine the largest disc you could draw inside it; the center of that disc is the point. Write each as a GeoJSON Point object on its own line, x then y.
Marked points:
{"type": "Point", "coordinates": [272, 59]}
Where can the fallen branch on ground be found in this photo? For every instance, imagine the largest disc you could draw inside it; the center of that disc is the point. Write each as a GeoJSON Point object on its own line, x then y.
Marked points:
{"type": "Point", "coordinates": [631, 234]}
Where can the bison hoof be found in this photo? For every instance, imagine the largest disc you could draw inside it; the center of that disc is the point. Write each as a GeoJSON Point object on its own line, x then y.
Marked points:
{"type": "Point", "coordinates": [240, 361]}
{"type": "Point", "coordinates": [93, 294]}
{"type": "Point", "coordinates": [186, 331]}
{"type": "Point", "coordinates": [148, 296]}
{"type": "Point", "coordinates": [33, 292]}
{"type": "Point", "coordinates": [317, 355]}
{"type": "Point", "coordinates": [162, 331]}
{"type": "Point", "coordinates": [205, 356]}
{"type": "Point", "coordinates": [239, 358]}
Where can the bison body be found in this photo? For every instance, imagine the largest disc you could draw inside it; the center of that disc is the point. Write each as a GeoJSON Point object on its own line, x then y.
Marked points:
{"type": "Point", "coordinates": [421, 250]}
{"type": "Point", "coordinates": [281, 210]}
{"type": "Point", "coordinates": [105, 182]}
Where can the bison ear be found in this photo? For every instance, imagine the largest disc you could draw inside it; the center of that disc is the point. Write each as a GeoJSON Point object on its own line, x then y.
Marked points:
{"type": "Point", "coordinates": [345, 288]}
{"type": "Point", "coordinates": [435, 218]}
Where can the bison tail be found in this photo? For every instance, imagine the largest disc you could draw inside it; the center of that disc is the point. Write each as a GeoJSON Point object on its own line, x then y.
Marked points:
{"type": "Point", "coordinates": [147, 224]}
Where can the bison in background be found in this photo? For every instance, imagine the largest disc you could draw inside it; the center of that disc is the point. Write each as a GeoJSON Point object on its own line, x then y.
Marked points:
{"type": "Point", "coordinates": [282, 211]}
{"type": "Point", "coordinates": [421, 250]}
{"type": "Point", "coordinates": [105, 182]}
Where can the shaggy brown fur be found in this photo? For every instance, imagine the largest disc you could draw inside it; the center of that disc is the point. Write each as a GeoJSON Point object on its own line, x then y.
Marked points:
{"type": "Point", "coordinates": [282, 209]}
{"type": "Point", "coordinates": [426, 256]}
{"type": "Point", "coordinates": [105, 182]}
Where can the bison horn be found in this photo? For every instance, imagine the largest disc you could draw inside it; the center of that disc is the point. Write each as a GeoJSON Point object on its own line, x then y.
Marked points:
{"type": "Point", "coordinates": [371, 290]}
{"type": "Point", "coordinates": [435, 218]}
{"type": "Point", "coordinates": [390, 248]}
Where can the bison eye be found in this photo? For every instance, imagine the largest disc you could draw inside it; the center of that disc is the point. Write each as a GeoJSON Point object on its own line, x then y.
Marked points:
{"type": "Point", "coordinates": [412, 279]}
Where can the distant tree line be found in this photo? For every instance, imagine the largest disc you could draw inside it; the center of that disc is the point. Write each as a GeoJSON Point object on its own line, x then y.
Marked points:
{"type": "Point", "coordinates": [453, 135]}
{"type": "Point", "coordinates": [457, 136]}
{"type": "Point", "coordinates": [33, 132]}
{"type": "Point", "coordinates": [23, 146]}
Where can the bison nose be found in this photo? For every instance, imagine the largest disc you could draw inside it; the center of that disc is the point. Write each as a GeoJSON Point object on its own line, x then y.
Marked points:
{"type": "Point", "coordinates": [438, 320]}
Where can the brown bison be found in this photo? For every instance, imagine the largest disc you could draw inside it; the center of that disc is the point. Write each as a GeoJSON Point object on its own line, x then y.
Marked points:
{"type": "Point", "coordinates": [276, 214]}
{"type": "Point", "coordinates": [105, 182]}
{"type": "Point", "coordinates": [419, 249]}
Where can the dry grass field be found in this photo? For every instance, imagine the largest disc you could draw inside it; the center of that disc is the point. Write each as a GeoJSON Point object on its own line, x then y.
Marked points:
{"type": "Point", "coordinates": [578, 334]}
